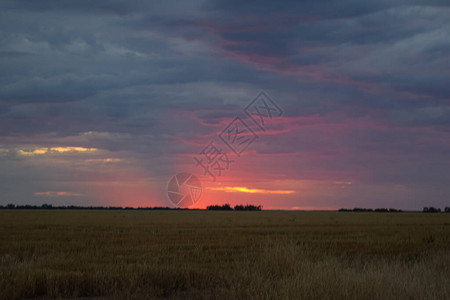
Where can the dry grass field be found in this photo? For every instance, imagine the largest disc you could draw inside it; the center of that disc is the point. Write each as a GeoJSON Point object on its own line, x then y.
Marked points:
{"type": "Point", "coordinates": [99, 254]}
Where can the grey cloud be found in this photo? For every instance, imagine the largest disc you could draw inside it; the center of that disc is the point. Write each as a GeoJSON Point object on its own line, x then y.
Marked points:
{"type": "Point", "coordinates": [144, 76]}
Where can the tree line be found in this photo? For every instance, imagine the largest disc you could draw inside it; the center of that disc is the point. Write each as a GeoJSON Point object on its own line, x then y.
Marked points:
{"type": "Point", "coordinates": [49, 206]}
{"type": "Point", "coordinates": [426, 209]}
{"type": "Point", "coordinates": [211, 207]}
{"type": "Point", "coordinates": [237, 207]}
{"type": "Point", "coordinates": [227, 206]}
{"type": "Point", "coordinates": [357, 209]}
{"type": "Point", "coordinates": [432, 209]}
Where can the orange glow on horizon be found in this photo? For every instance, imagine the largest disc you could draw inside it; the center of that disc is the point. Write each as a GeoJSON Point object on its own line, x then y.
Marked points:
{"type": "Point", "coordinates": [238, 189]}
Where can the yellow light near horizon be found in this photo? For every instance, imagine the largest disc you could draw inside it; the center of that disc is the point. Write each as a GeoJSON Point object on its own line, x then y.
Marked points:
{"type": "Point", "coordinates": [237, 189]}
{"type": "Point", "coordinates": [34, 152]}
{"type": "Point", "coordinates": [40, 151]}
{"type": "Point", "coordinates": [72, 149]}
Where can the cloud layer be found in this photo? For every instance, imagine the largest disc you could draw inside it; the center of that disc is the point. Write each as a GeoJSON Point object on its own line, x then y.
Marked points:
{"type": "Point", "coordinates": [110, 99]}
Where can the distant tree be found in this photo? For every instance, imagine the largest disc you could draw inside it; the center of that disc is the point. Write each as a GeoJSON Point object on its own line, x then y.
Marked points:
{"type": "Point", "coordinates": [253, 207]}
{"type": "Point", "coordinates": [447, 209]}
{"type": "Point", "coordinates": [431, 209]}
{"type": "Point", "coordinates": [239, 207]}
{"type": "Point", "coordinates": [358, 209]}
{"type": "Point", "coordinates": [218, 207]}
{"type": "Point", "coordinates": [10, 206]}
{"type": "Point", "coordinates": [248, 207]}
{"type": "Point", "coordinates": [381, 210]}
{"type": "Point", "coordinates": [226, 207]}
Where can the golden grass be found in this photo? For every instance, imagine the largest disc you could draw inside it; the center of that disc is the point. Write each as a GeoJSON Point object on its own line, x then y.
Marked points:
{"type": "Point", "coordinates": [223, 255]}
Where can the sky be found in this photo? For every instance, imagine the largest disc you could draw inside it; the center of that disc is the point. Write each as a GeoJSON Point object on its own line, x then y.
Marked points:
{"type": "Point", "coordinates": [103, 102]}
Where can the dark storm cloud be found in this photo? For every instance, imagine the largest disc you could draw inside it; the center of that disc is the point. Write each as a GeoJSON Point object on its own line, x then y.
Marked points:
{"type": "Point", "coordinates": [386, 46]}
{"type": "Point", "coordinates": [84, 6]}
{"type": "Point", "coordinates": [326, 8]}
{"type": "Point", "coordinates": [87, 51]}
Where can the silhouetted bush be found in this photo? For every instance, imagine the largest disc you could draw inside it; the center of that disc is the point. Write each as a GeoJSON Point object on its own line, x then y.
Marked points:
{"type": "Point", "coordinates": [431, 209]}
{"type": "Point", "coordinates": [358, 209]}
{"type": "Point", "coordinates": [219, 207]}
{"type": "Point", "coordinates": [248, 207]}
{"type": "Point", "coordinates": [381, 210]}
{"type": "Point", "coordinates": [238, 207]}
{"type": "Point", "coordinates": [49, 206]}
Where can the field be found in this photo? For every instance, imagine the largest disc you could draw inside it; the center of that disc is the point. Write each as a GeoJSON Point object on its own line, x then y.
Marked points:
{"type": "Point", "coordinates": [103, 254]}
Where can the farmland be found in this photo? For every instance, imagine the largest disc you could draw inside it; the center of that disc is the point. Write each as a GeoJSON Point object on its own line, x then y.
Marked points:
{"type": "Point", "coordinates": [223, 254]}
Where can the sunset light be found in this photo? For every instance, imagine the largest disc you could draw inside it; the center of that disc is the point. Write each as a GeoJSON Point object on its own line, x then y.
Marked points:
{"type": "Point", "coordinates": [237, 189]}
{"type": "Point", "coordinates": [225, 149]}
{"type": "Point", "coordinates": [40, 151]}
{"type": "Point", "coordinates": [316, 106]}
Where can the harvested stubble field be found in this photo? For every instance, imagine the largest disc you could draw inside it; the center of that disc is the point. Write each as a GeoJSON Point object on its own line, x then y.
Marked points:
{"type": "Point", "coordinates": [104, 254]}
